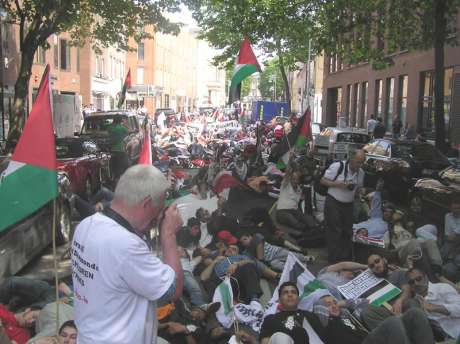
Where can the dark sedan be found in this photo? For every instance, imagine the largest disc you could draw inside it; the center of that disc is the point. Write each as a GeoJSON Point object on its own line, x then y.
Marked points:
{"type": "Point", "coordinates": [400, 163]}
{"type": "Point", "coordinates": [431, 197]}
{"type": "Point", "coordinates": [83, 163]}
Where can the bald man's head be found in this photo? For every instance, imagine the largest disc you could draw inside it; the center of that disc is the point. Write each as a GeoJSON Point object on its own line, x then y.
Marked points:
{"type": "Point", "coordinates": [357, 159]}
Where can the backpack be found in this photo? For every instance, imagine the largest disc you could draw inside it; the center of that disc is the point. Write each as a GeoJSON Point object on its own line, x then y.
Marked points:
{"type": "Point", "coordinates": [322, 189]}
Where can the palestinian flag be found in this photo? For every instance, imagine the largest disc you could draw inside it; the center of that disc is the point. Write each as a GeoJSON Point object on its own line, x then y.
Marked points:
{"type": "Point", "coordinates": [126, 85]}
{"type": "Point", "coordinates": [297, 137]}
{"type": "Point", "coordinates": [30, 180]}
{"type": "Point", "coordinates": [145, 157]}
{"type": "Point", "coordinates": [224, 295]}
{"type": "Point", "coordinates": [245, 65]}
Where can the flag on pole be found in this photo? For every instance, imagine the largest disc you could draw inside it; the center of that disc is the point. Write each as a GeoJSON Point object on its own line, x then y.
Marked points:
{"type": "Point", "coordinates": [224, 295]}
{"type": "Point", "coordinates": [245, 65]}
{"type": "Point", "coordinates": [145, 157]}
{"type": "Point", "coordinates": [304, 133]}
{"type": "Point", "coordinates": [30, 180]}
{"type": "Point", "coordinates": [126, 85]}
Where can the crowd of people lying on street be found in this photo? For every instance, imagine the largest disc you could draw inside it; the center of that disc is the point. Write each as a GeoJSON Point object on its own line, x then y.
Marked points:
{"type": "Point", "coordinates": [252, 251]}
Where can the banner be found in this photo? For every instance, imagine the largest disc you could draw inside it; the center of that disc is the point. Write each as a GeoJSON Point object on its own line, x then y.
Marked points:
{"type": "Point", "coordinates": [366, 285]}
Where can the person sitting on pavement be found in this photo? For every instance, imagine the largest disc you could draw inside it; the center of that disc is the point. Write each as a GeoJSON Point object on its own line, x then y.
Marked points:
{"type": "Point", "coordinates": [440, 301]}
{"type": "Point", "coordinates": [288, 211]}
{"type": "Point", "coordinates": [274, 256]}
{"type": "Point", "coordinates": [239, 267]}
{"type": "Point", "coordinates": [191, 283]}
{"type": "Point", "coordinates": [336, 275]}
{"type": "Point", "coordinates": [97, 203]}
{"type": "Point", "coordinates": [16, 326]}
{"type": "Point", "coordinates": [287, 326]}
{"type": "Point", "coordinates": [374, 316]}
{"type": "Point", "coordinates": [451, 247]}
{"type": "Point", "coordinates": [341, 326]}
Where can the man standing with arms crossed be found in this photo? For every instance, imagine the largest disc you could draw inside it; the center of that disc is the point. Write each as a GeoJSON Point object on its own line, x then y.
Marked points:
{"type": "Point", "coordinates": [342, 178]}
{"type": "Point", "coordinates": [116, 277]}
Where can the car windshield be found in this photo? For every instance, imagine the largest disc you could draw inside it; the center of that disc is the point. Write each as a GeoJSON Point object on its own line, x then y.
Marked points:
{"type": "Point", "coordinates": [98, 124]}
{"type": "Point", "coordinates": [353, 138]}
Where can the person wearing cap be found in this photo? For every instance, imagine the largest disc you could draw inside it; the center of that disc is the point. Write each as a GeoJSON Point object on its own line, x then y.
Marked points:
{"type": "Point", "coordinates": [239, 267]}
{"type": "Point", "coordinates": [342, 326]}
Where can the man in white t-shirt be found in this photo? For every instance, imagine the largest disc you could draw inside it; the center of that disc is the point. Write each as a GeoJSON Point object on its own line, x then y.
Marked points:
{"type": "Point", "coordinates": [117, 279]}
{"type": "Point", "coordinates": [343, 179]}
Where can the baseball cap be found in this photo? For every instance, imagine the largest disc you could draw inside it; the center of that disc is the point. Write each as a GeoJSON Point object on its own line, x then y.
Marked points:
{"type": "Point", "coordinates": [227, 237]}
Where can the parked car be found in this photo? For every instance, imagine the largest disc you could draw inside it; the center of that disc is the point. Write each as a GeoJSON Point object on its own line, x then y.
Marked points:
{"type": "Point", "coordinates": [400, 163]}
{"type": "Point", "coordinates": [334, 144]}
{"type": "Point", "coordinates": [95, 128]}
{"type": "Point", "coordinates": [431, 197]}
{"type": "Point", "coordinates": [83, 163]}
{"type": "Point", "coordinates": [22, 242]}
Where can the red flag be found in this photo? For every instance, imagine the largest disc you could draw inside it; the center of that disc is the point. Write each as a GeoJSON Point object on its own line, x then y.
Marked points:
{"type": "Point", "coordinates": [128, 79]}
{"type": "Point", "coordinates": [36, 146]}
{"type": "Point", "coordinates": [246, 55]}
{"type": "Point", "coordinates": [305, 130]}
{"type": "Point", "coordinates": [146, 154]}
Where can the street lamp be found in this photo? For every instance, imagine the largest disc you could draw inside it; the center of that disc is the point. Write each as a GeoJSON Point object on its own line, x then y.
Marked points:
{"type": "Point", "coordinates": [273, 79]}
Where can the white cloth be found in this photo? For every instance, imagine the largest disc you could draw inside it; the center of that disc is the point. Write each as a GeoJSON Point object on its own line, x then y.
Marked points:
{"type": "Point", "coordinates": [117, 281]}
{"type": "Point", "coordinates": [341, 195]}
{"type": "Point", "coordinates": [451, 225]}
{"type": "Point", "coordinates": [445, 295]}
{"type": "Point", "coordinates": [161, 119]}
{"type": "Point", "coordinates": [289, 198]}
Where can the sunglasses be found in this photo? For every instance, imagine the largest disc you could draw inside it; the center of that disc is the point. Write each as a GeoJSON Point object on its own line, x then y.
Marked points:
{"type": "Point", "coordinates": [416, 279]}
{"type": "Point", "coordinates": [374, 263]}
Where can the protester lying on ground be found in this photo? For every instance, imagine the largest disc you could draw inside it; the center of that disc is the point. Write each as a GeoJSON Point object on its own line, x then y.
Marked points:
{"type": "Point", "coordinates": [240, 267]}
{"type": "Point", "coordinates": [372, 315]}
{"type": "Point", "coordinates": [451, 247]}
{"type": "Point", "coordinates": [67, 335]}
{"type": "Point", "coordinates": [288, 324]}
{"type": "Point", "coordinates": [189, 237]}
{"type": "Point", "coordinates": [19, 292]}
{"type": "Point", "coordinates": [274, 256]}
{"type": "Point", "coordinates": [97, 203]}
{"type": "Point", "coordinates": [341, 326]}
{"type": "Point", "coordinates": [336, 275]}
{"type": "Point", "coordinates": [440, 301]}
{"type": "Point", "coordinates": [16, 326]}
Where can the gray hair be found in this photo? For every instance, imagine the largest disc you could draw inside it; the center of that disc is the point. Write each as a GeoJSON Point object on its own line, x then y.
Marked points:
{"type": "Point", "coordinates": [139, 182]}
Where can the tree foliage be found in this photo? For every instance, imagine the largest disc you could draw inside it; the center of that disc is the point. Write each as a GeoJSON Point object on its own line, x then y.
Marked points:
{"type": "Point", "coordinates": [100, 22]}
{"type": "Point", "coordinates": [275, 27]}
{"type": "Point", "coordinates": [267, 83]}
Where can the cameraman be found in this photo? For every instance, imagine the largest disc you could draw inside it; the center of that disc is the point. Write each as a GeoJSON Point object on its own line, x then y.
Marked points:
{"type": "Point", "coordinates": [342, 178]}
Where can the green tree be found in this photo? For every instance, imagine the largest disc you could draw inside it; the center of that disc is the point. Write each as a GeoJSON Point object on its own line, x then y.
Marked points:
{"type": "Point", "coordinates": [267, 80]}
{"type": "Point", "coordinates": [275, 27]}
{"type": "Point", "coordinates": [102, 23]}
{"type": "Point", "coordinates": [372, 30]}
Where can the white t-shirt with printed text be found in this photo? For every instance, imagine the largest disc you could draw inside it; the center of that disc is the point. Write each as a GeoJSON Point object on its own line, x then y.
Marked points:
{"type": "Point", "coordinates": [117, 281]}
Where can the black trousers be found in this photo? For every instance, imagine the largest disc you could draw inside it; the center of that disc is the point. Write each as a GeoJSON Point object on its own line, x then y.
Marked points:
{"type": "Point", "coordinates": [248, 284]}
{"type": "Point", "coordinates": [119, 162]}
{"type": "Point", "coordinates": [339, 229]}
{"type": "Point", "coordinates": [294, 218]}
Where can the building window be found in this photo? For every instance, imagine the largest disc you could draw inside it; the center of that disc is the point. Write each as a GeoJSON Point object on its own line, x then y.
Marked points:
{"type": "Point", "coordinates": [348, 103]}
{"type": "Point", "coordinates": [40, 56]}
{"type": "Point", "coordinates": [166, 100]}
{"type": "Point", "coordinates": [140, 51]}
{"type": "Point", "coordinates": [99, 66]}
{"type": "Point", "coordinates": [354, 107]}
{"type": "Point", "coordinates": [140, 76]}
{"type": "Point", "coordinates": [7, 35]}
{"type": "Point", "coordinates": [378, 98]}
{"type": "Point", "coordinates": [389, 103]}
{"type": "Point", "coordinates": [56, 56]}
{"type": "Point", "coordinates": [78, 59]}
{"type": "Point", "coordinates": [402, 98]}
{"type": "Point", "coordinates": [427, 100]}
{"type": "Point", "coordinates": [112, 67]}
{"type": "Point", "coordinates": [64, 54]}
{"type": "Point", "coordinates": [363, 107]}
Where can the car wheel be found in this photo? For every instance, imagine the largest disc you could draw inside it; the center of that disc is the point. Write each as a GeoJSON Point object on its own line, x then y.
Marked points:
{"type": "Point", "coordinates": [64, 224]}
{"type": "Point", "coordinates": [416, 204]}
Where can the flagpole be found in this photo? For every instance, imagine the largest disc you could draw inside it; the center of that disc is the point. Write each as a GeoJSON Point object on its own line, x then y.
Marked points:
{"type": "Point", "coordinates": [56, 277]}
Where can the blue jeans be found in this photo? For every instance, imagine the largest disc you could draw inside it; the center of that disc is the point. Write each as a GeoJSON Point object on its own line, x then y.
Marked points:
{"type": "Point", "coordinates": [192, 287]}
{"type": "Point", "coordinates": [28, 292]}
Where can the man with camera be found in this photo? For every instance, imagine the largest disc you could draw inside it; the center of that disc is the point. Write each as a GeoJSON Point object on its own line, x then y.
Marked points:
{"type": "Point", "coordinates": [343, 179]}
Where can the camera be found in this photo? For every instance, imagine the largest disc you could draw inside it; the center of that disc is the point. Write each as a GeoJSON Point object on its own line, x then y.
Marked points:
{"type": "Point", "coordinates": [351, 186]}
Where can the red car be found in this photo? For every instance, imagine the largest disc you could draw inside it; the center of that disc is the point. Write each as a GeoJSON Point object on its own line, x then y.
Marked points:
{"type": "Point", "coordinates": [83, 163]}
